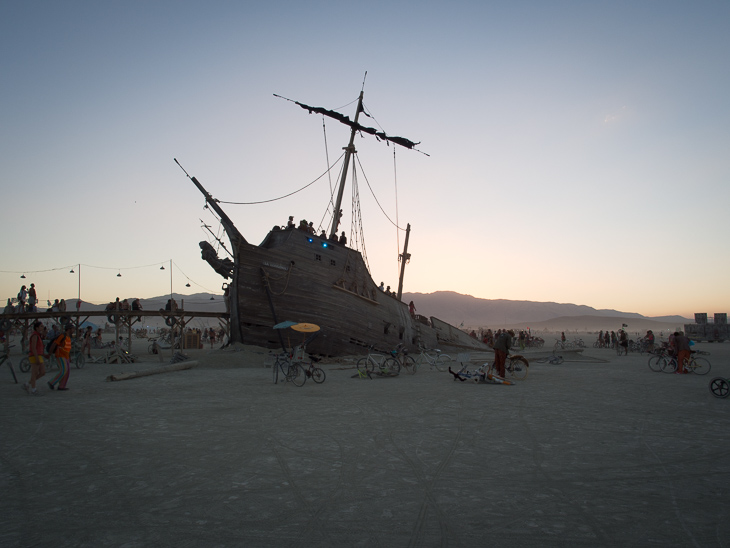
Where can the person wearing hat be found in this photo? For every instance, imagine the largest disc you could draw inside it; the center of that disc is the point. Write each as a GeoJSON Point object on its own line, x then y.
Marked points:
{"type": "Point", "coordinates": [61, 348]}
{"type": "Point", "coordinates": [501, 349]}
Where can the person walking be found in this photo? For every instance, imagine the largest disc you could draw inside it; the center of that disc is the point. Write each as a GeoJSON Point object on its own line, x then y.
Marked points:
{"type": "Point", "coordinates": [681, 345]}
{"type": "Point", "coordinates": [35, 356]}
{"type": "Point", "coordinates": [86, 342]}
{"type": "Point", "coordinates": [61, 348]}
{"type": "Point", "coordinates": [501, 349]}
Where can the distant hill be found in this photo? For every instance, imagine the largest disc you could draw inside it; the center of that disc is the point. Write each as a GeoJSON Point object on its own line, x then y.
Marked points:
{"type": "Point", "coordinates": [458, 309]}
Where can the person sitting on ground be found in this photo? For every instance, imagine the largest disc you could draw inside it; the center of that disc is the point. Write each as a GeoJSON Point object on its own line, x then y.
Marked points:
{"type": "Point", "coordinates": [343, 238]}
{"type": "Point", "coordinates": [9, 308]}
{"type": "Point", "coordinates": [303, 225]}
{"type": "Point", "coordinates": [290, 223]}
{"type": "Point", "coordinates": [323, 234]}
{"type": "Point", "coordinates": [334, 238]}
{"type": "Point", "coordinates": [387, 291]}
{"type": "Point", "coordinates": [381, 286]}
{"type": "Point", "coordinates": [310, 228]}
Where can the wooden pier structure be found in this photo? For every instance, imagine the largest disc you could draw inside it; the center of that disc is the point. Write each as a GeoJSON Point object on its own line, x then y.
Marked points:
{"type": "Point", "coordinates": [121, 319]}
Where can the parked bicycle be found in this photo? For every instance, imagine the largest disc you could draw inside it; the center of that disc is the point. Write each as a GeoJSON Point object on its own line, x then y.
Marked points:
{"type": "Point", "coordinates": [377, 363]}
{"type": "Point", "coordinates": [434, 358]}
{"type": "Point", "coordinates": [400, 355]}
{"type": "Point", "coordinates": [5, 359]}
{"type": "Point", "coordinates": [289, 370]}
{"type": "Point", "coordinates": [317, 374]}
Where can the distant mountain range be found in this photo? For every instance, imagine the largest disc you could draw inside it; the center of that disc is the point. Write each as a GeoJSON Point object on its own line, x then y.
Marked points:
{"type": "Point", "coordinates": [470, 312]}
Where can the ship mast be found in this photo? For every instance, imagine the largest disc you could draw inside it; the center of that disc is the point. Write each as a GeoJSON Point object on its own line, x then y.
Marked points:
{"type": "Point", "coordinates": [349, 150]}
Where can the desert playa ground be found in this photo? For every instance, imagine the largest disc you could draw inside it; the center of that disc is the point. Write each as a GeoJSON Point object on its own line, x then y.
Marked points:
{"type": "Point", "coordinates": [598, 451]}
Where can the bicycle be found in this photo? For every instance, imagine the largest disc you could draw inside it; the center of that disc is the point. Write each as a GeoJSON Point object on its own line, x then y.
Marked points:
{"type": "Point", "coordinates": [479, 375]}
{"type": "Point", "coordinates": [400, 355]}
{"type": "Point", "coordinates": [720, 387]}
{"type": "Point", "coordinates": [655, 361]}
{"type": "Point", "coordinates": [562, 345]}
{"type": "Point", "coordinates": [698, 366]}
{"type": "Point", "coordinates": [377, 363]}
{"type": "Point", "coordinates": [316, 373]}
{"type": "Point", "coordinates": [555, 359]}
{"type": "Point", "coordinates": [5, 358]}
{"type": "Point", "coordinates": [516, 366]}
{"type": "Point", "coordinates": [291, 371]}
{"type": "Point", "coordinates": [437, 360]}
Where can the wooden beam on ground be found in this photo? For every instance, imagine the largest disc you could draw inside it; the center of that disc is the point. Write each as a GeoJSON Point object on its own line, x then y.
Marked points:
{"type": "Point", "coordinates": [165, 369]}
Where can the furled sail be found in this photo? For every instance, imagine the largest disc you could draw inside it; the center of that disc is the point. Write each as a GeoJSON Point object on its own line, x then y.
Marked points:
{"type": "Point", "coordinates": [402, 141]}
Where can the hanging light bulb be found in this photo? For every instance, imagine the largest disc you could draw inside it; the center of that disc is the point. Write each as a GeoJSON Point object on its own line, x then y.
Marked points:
{"type": "Point", "coordinates": [212, 299]}
{"type": "Point", "coordinates": [71, 271]}
{"type": "Point", "coordinates": [23, 276]}
{"type": "Point", "coordinates": [119, 275]}
{"type": "Point", "coordinates": [187, 284]}
{"type": "Point", "coordinates": [162, 267]}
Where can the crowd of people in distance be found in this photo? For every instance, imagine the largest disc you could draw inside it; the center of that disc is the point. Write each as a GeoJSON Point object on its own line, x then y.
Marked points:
{"type": "Point", "coordinates": [308, 227]}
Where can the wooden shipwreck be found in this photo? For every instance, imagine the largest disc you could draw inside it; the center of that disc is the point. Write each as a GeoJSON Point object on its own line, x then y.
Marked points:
{"type": "Point", "coordinates": [294, 275]}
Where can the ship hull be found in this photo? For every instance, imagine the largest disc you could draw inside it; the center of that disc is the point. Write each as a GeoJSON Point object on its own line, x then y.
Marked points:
{"type": "Point", "coordinates": [295, 276]}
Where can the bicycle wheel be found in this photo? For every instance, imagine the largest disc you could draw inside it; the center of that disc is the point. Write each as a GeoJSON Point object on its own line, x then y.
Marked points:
{"type": "Point", "coordinates": [556, 360]}
{"type": "Point", "coordinates": [318, 375]}
{"type": "Point", "coordinates": [668, 365]}
{"type": "Point", "coordinates": [24, 365]}
{"type": "Point", "coordinates": [80, 360]}
{"type": "Point", "coordinates": [518, 368]}
{"type": "Point", "coordinates": [719, 387]}
{"type": "Point", "coordinates": [296, 374]}
{"type": "Point", "coordinates": [275, 371]}
{"type": "Point", "coordinates": [410, 364]}
{"type": "Point", "coordinates": [699, 366]}
{"type": "Point", "coordinates": [365, 366]}
{"type": "Point", "coordinates": [391, 366]}
{"type": "Point", "coordinates": [655, 363]}
{"type": "Point", "coordinates": [442, 362]}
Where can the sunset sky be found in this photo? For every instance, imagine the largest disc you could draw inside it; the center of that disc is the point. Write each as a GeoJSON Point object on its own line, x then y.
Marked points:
{"type": "Point", "coordinates": [577, 152]}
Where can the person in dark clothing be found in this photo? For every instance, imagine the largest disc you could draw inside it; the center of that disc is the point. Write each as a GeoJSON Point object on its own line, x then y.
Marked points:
{"type": "Point", "coordinates": [501, 350]}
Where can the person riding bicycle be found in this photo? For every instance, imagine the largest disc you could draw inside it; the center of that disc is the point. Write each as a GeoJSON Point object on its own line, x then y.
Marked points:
{"type": "Point", "coordinates": [501, 350]}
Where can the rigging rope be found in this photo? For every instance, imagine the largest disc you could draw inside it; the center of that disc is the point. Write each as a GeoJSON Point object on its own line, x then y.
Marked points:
{"type": "Point", "coordinates": [395, 182]}
{"type": "Point", "coordinates": [286, 195]}
{"type": "Point", "coordinates": [375, 197]}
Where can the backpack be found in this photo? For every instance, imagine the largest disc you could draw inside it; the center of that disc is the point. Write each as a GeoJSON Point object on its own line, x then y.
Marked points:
{"type": "Point", "coordinates": [49, 344]}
